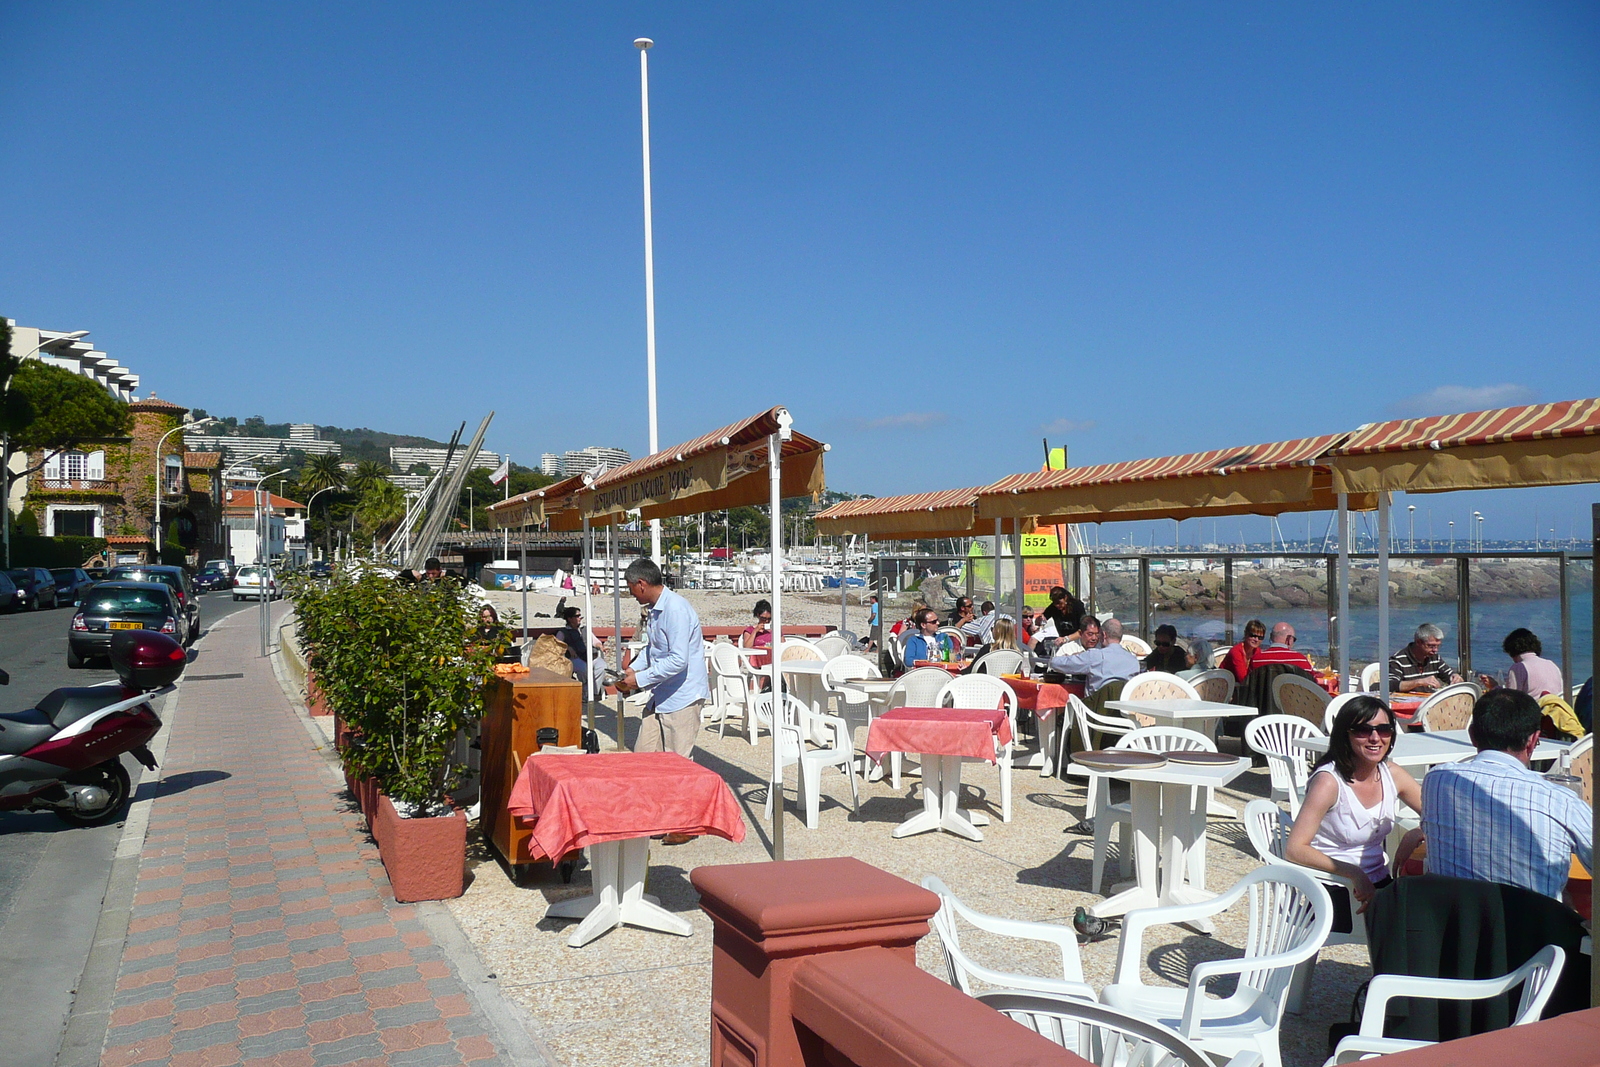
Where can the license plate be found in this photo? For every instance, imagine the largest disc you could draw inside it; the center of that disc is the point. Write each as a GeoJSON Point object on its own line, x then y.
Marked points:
{"type": "Point", "coordinates": [127, 626]}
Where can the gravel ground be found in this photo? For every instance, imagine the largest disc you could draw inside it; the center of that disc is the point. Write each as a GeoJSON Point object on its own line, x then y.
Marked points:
{"type": "Point", "coordinates": [637, 996]}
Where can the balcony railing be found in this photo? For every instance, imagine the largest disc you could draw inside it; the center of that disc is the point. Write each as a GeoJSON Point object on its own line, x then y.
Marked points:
{"type": "Point", "coordinates": [81, 484]}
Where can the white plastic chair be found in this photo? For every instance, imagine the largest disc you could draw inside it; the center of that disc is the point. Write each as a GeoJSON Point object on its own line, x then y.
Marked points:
{"type": "Point", "coordinates": [1290, 915]}
{"type": "Point", "coordinates": [1537, 978]}
{"type": "Point", "coordinates": [983, 691]}
{"type": "Point", "coordinates": [732, 689]}
{"type": "Point", "coordinates": [1581, 764]}
{"type": "Point", "coordinates": [1331, 712]}
{"type": "Point", "coordinates": [1268, 829]}
{"type": "Point", "coordinates": [1273, 736]}
{"type": "Point", "coordinates": [831, 645]}
{"type": "Point", "coordinates": [792, 732]}
{"type": "Point", "coordinates": [1119, 817]}
{"type": "Point", "coordinates": [1214, 685]}
{"type": "Point", "coordinates": [958, 640]}
{"type": "Point", "coordinates": [1293, 695]}
{"type": "Point", "coordinates": [798, 648]}
{"type": "Point", "coordinates": [1000, 661]}
{"type": "Point", "coordinates": [963, 970]}
{"type": "Point", "coordinates": [1137, 645]}
{"type": "Point", "coordinates": [1369, 677]}
{"type": "Point", "coordinates": [1104, 1035]}
{"type": "Point", "coordinates": [1091, 722]}
{"type": "Point", "coordinates": [1449, 708]}
{"type": "Point", "coordinates": [1220, 654]}
{"type": "Point", "coordinates": [1158, 685]}
{"type": "Point", "coordinates": [851, 705]}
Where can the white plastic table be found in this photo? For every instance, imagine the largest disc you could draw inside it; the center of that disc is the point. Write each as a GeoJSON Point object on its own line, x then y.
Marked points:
{"type": "Point", "coordinates": [1426, 750]}
{"type": "Point", "coordinates": [1180, 711]}
{"type": "Point", "coordinates": [1166, 827]}
{"type": "Point", "coordinates": [617, 896]}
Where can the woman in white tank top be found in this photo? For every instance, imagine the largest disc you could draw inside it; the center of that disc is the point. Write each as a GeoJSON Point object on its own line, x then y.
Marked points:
{"type": "Point", "coordinates": [1350, 802]}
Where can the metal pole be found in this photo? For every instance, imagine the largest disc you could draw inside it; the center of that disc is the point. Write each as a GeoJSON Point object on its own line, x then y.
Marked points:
{"type": "Point", "coordinates": [264, 553]}
{"type": "Point", "coordinates": [1464, 614]}
{"type": "Point", "coordinates": [998, 598]}
{"type": "Point", "coordinates": [775, 786]}
{"type": "Point", "coordinates": [612, 537]}
{"type": "Point", "coordinates": [1566, 628]}
{"type": "Point", "coordinates": [1383, 596]}
{"type": "Point", "coordinates": [1144, 597]}
{"type": "Point", "coordinates": [522, 579]}
{"type": "Point", "coordinates": [588, 627]}
{"type": "Point", "coordinates": [643, 45]}
{"type": "Point", "coordinates": [1016, 548]}
{"type": "Point", "coordinates": [844, 573]}
{"type": "Point", "coordinates": [1346, 632]}
{"type": "Point", "coordinates": [1227, 596]}
{"type": "Point", "coordinates": [1594, 669]}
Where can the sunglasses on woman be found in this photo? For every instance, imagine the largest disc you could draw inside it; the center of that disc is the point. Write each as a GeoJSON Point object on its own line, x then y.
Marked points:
{"type": "Point", "coordinates": [1367, 729]}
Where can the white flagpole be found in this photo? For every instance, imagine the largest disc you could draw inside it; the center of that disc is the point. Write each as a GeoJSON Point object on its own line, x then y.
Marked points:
{"type": "Point", "coordinates": [643, 45]}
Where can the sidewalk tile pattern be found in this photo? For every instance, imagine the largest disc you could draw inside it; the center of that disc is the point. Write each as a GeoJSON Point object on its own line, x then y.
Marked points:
{"type": "Point", "coordinates": [263, 929]}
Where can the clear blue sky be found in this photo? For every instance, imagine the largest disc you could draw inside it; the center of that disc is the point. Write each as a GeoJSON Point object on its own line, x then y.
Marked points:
{"type": "Point", "coordinates": [937, 233]}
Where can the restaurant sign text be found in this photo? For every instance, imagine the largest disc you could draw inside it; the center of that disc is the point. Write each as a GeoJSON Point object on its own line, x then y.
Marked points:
{"type": "Point", "coordinates": [702, 474]}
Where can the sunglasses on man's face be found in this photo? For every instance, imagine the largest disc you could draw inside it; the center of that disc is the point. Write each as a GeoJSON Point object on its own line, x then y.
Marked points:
{"type": "Point", "coordinates": [1163, 644]}
{"type": "Point", "coordinates": [1367, 729]}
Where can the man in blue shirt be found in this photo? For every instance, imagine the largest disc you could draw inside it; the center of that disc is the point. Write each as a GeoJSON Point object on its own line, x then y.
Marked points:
{"type": "Point", "coordinates": [674, 665]}
{"type": "Point", "coordinates": [1108, 663]}
{"type": "Point", "coordinates": [1494, 819]}
{"type": "Point", "coordinates": [925, 643]}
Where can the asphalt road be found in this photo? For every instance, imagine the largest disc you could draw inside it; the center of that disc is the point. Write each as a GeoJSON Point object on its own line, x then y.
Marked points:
{"type": "Point", "coordinates": [52, 876]}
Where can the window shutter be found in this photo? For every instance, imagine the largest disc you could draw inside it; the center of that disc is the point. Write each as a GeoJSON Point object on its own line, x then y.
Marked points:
{"type": "Point", "coordinates": [97, 467]}
{"type": "Point", "coordinates": [52, 467]}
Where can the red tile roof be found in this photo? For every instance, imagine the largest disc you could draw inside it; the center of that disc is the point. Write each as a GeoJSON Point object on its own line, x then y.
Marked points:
{"type": "Point", "coordinates": [202, 461]}
{"type": "Point", "coordinates": [127, 539]}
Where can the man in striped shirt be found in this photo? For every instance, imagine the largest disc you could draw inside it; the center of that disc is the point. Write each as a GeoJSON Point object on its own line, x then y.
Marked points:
{"type": "Point", "coordinates": [1494, 819]}
{"type": "Point", "coordinates": [1418, 665]}
{"type": "Point", "coordinates": [1282, 650]}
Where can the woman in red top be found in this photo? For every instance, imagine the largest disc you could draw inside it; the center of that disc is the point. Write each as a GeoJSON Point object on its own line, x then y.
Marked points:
{"type": "Point", "coordinates": [759, 634]}
{"type": "Point", "coordinates": [1239, 656]}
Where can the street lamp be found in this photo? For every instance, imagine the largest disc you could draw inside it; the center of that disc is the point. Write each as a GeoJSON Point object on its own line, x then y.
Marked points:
{"type": "Point", "coordinates": [1452, 535]}
{"type": "Point", "coordinates": [5, 434]}
{"type": "Point", "coordinates": [264, 557]}
{"type": "Point", "coordinates": [1411, 527]}
{"type": "Point", "coordinates": [161, 488]}
{"type": "Point", "coordinates": [319, 492]}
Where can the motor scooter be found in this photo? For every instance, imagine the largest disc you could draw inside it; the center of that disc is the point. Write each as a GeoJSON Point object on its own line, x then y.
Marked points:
{"type": "Point", "coordinates": [64, 755]}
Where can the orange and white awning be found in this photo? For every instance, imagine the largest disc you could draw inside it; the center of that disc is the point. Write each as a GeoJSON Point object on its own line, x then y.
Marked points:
{"type": "Point", "coordinates": [947, 513]}
{"type": "Point", "coordinates": [1507, 448]}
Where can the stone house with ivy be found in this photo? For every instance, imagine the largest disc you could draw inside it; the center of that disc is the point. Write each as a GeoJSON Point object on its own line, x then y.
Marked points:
{"type": "Point", "coordinates": [106, 489]}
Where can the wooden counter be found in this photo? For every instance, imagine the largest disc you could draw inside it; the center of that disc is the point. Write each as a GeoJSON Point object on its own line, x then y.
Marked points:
{"type": "Point", "coordinates": [518, 708]}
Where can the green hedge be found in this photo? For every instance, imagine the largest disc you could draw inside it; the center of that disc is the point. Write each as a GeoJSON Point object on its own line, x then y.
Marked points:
{"type": "Point", "coordinates": [29, 551]}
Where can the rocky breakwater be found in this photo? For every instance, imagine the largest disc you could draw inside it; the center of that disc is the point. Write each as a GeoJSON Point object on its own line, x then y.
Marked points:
{"type": "Point", "coordinates": [1269, 585]}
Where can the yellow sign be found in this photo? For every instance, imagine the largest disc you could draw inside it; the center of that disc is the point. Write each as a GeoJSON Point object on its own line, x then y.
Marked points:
{"type": "Point", "coordinates": [702, 474]}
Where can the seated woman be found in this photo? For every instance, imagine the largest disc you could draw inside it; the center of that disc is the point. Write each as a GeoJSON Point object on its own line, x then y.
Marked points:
{"type": "Point", "coordinates": [1530, 672]}
{"type": "Point", "coordinates": [1239, 656]}
{"type": "Point", "coordinates": [1003, 635]}
{"type": "Point", "coordinates": [1349, 808]}
{"type": "Point", "coordinates": [1165, 655]}
{"type": "Point", "coordinates": [759, 633]}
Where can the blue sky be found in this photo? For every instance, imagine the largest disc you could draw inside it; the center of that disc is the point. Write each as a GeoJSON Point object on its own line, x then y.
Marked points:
{"type": "Point", "coordinates": [937, 233]}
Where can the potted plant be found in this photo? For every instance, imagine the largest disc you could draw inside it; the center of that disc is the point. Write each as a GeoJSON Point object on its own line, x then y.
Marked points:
{"type": "Point", "coordinates": [396, 663]}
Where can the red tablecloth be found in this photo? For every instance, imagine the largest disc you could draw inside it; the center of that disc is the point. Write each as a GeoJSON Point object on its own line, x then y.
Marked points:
{"type": "Point", "coordinates": [939, 732]}
{"type": "Point", "coordinates": [581, 800]}
{"type": "Point", "coordinates": [1042, 698]}
{"type": "Point", "coordinates": [953, 668]}
{"type": "Point", "coordinates": [1329, 683]}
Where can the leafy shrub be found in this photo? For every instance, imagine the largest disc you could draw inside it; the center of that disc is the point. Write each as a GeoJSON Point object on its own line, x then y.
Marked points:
{"type": "Point", "coordinates": [394, 661]}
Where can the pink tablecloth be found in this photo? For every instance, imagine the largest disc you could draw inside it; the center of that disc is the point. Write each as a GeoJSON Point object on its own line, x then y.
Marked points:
{"type": "Point", "coordinates": [953, 668]}
{"type": "Point", "coordinates": [938, 732]}
{"type": "Point", "coordinates": [580, 800]}
{"type": "Point", "coordinates": [1042, 698]}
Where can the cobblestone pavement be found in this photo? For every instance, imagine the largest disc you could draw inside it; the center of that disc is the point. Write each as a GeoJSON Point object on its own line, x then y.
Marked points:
{"type": "Point", "coordinates": [263, 930]}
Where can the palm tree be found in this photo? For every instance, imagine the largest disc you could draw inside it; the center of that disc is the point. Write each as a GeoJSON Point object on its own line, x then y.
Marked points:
{"type": "Point", "coordinates": [321, 472]}
{"type": "Point", "coordinates": [369, 472]}
{"type": "Point", "coordinates": [382, 506]}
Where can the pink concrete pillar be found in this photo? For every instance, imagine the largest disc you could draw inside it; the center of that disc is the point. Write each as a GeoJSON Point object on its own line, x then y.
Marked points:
{"type": "Point", "coordinates": [769, 918]}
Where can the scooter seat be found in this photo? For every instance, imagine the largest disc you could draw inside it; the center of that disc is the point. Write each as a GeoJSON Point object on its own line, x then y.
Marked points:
{"type": "Point", "coordinates": [22, 730]}
{"type": "Point", "coordinates": [63, 707]}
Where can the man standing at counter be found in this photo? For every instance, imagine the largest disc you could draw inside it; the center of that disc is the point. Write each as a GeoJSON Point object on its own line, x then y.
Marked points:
{"type": "Point", "coordinates": [674, 665]}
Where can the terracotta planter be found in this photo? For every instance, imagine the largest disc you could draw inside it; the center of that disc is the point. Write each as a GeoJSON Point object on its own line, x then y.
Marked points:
{"type": "Point", "coordinates": [316, 703]}
{"type": "Point", "coordinates": [426, 858]}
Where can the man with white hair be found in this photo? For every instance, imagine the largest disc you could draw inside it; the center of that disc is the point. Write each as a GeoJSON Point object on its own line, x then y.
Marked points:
{"type": "Point", "coordinates": [1417, 667]}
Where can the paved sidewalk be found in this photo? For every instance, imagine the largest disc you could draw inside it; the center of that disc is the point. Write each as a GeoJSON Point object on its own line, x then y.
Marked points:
{"type": "Point", "coordinates": [262, 927]}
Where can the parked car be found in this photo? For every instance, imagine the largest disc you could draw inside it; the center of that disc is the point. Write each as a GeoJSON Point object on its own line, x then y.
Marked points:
{"type": "Point", "coordinates": [11, 598]}
{"type": "Point", "coordinates": [38, 586]}
{"type": "Point", "coordinates": [226, 566]}
{"type": "Point", "coordinates": [71, 583]}
{"type": "Point", "coordinates": [112, 606]}
{"type": "Point", "coordinates": [320, 569]}
{"type": "Point", "coordinates": [211, 578]}
{"type": "Point", "coordinates": [177, 579]}
{"type": "Point", "coordinates": [249, 581]}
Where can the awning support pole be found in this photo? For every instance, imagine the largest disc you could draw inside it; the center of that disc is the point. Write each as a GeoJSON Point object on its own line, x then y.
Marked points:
{"type": "Point", "coordinates": [1016, 548]}
{"type": "Point", "coordinates": [613, 549]}
{"type": "Point", "coordinates": [1345, 634]}
{"type": "Point", "coordinates": [1383, 596]}
{"type": "Point", "coordinates": [775, 476]}
{"type": "Point", "coordinates": [588, 626]}
{"type": "Point", "coordinates": [522, 580]}
{"type": "Point", "coordinates": [844, 620]}
{"type": "Point", "coordinates": [999, 539]}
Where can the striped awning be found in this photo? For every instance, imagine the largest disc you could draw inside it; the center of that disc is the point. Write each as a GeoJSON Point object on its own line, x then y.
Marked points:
{"type": "Point", "coordinates": [726, 468]}
{"type": "Point", "coordinates": [1507, 448]}
{"type": "Point", "coordinates": [531, 508]}
{"type": "Point", "coordinates": [1265, 479]}
{"type": "Point", "coordinates": [947, 513]}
